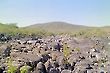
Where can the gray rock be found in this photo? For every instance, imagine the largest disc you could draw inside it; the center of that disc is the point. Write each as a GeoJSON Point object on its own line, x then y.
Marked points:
{"type": "Point", "coordinates": [41, 67]}
{"type": "Point", "coordinates": [54, 70]}
{"type": "Point", "coordinates": [66, 71]}
{"type": "Point", "coordinates": [5, 50]}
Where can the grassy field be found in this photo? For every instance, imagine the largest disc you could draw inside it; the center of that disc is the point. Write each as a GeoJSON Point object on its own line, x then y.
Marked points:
{"type": "Point", "coordinates": [55, 28]}
{"type": "Point", "coordinates": [13, 30]}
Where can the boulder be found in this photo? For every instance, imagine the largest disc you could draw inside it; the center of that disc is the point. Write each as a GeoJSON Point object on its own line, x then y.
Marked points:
{"type": "Point", "coordinates": [41, 67]}
{"type": "Point", "coordinates": [5, 50]}
{"type": "Point", "coordinates": [66, 71]}
{"type": "Point", "coordinates": [54, 70]}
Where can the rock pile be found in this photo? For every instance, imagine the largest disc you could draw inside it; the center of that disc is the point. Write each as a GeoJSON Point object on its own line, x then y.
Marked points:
{"type": "Point", "coordinates": [47, 55]}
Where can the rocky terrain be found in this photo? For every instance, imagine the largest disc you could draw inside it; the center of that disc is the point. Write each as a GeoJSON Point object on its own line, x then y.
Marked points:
{"type": "Point", "coordinates": [54, 54]}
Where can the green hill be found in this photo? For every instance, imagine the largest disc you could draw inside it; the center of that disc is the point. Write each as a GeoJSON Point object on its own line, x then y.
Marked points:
{"type": "Point", "coordinates": [8, 28]}
{"type": "Point", "coordinates": [55, 28]}
{"type": "Point", "coordinates": [63, 27]}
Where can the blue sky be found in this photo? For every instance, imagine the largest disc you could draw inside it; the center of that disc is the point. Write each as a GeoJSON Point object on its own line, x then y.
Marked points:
{"type": "Point", "coordinates": [82, 12]}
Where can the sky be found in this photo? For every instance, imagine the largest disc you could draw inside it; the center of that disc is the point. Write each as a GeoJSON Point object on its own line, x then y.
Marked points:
{"type": "Point", "coordinates": [81, 12]}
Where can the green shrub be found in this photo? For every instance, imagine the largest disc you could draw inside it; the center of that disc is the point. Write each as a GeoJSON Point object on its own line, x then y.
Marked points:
{"type": "Point", "coordinates": [66, 51]}
{"type": "Point", "coordinates": [11, 68]}
{"type": "Point", "coordinates": [24, 69]}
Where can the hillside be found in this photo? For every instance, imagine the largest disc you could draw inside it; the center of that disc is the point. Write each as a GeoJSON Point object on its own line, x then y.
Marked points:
{"type": "Point", "coordinates": [8, 28]}
{"type": "Point", "coordinates": [63, 27]}
{"type": "Point", "coordinates": [57, 27]}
